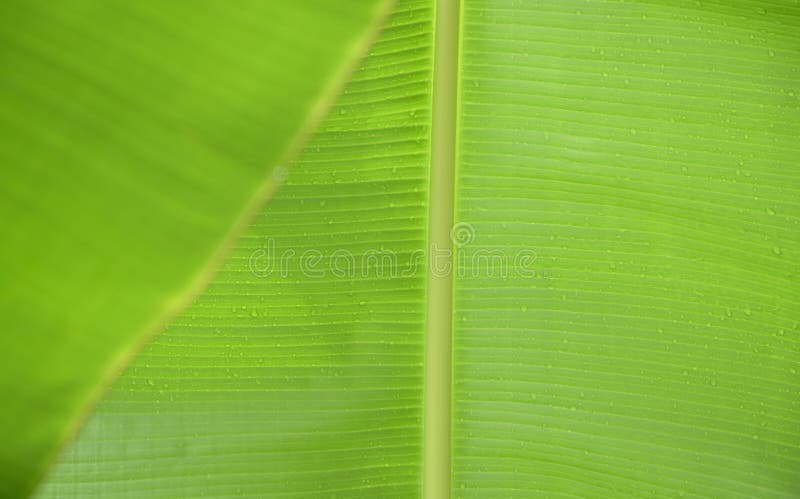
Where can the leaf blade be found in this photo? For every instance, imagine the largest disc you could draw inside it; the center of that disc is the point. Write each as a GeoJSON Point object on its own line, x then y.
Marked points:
{"type": "Point", "coordinates": [113, 123]}
{"type": "Point", "coordinates": [300, 384]}
{"type": "Point", "coordinates": [636, 149]}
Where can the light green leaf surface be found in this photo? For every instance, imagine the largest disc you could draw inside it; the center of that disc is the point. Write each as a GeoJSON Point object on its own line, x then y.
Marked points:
{"type": "Point", "coordinates": [644, 152]}
{"type": "Point", "coordinates": [649, 156]}
{"type": "Point", "coordinates": [133, 136]}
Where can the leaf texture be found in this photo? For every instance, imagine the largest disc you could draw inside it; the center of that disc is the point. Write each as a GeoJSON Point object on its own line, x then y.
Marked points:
{"type": "Point", "coordinates": [133, 136]}
{"type": "Point", "coordinates": [625, 311]}
{"type": "Point", "coordinates": [646, 152]}
{"type": "Point", "coordinates": [277, 381]}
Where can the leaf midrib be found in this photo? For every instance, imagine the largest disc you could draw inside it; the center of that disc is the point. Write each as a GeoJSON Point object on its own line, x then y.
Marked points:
{"type": "Point", "coordinates": [438, 341]}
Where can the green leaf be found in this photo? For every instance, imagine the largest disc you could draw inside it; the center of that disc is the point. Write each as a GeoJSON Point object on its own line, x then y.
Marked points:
{"type": "Point", "coordinates": [276, 381]}
{"type": "Point", "coordinates": [624, 306]}
{"type": "Point", "coordinates": [648, 154]}
{"type": "Point", "coordinates": [134, 136]}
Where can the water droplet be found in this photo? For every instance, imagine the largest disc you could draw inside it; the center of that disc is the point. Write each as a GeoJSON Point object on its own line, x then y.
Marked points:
{"type": "Point", "coordinates": [770, 211]}
{"type": "Point", "coordinates": [777, 250]}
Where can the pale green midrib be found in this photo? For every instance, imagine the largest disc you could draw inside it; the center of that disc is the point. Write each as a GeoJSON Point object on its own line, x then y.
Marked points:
{"type": "Point", "coordinates": [438, 363]}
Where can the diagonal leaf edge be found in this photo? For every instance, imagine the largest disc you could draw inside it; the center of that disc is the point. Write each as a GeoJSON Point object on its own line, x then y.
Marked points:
{"type": "Point", "coordinates": [268, 185]}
